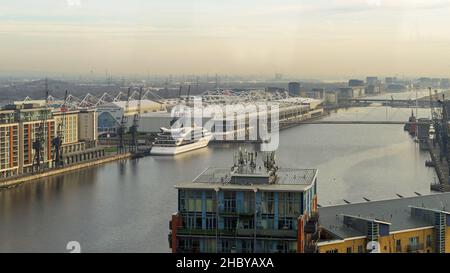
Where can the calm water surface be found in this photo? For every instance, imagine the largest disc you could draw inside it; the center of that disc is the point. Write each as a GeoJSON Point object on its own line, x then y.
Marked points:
{"type": "Point", "coordinates": [126, 206]}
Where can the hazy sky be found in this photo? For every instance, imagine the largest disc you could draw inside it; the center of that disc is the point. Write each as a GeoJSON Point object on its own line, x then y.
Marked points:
{"type": "Point", "coordinates": [317, 38]}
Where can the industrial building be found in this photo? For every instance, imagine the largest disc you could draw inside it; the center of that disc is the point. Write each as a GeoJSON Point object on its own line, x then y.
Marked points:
{"type": "Point", "coordinates": [247, 208]}
{"type": "Point", "coordinates": [159, 114]}
{"type": "Point", "coordinates": [245, 116]}
{"type": "Point", "coordinates": [110, 113]}
{"type": "Point", "coordinates": [413, 224]}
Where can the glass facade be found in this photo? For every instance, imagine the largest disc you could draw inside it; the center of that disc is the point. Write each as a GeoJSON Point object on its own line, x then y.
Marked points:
{"type": "Point", "coordinates": [240, 220]}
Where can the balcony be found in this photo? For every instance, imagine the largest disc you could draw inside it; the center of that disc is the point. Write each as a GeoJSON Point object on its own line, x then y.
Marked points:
{"type": "Point", "coordinates": [245, 232]}
{"type": "Point", "coordinates": [277, 233]}
{"type": "Point", "coordinates": [228, 211]}
{"type": "Point", "coordinates": [196, 232]}
{"type": "Point", "coordinates": [272, 233]}
{"type": "Point", "coordinates": [414, 248]}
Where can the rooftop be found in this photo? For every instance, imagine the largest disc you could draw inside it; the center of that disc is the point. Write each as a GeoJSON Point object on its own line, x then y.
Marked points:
{"type": "Point", "coordinates": [397, 212]}
{"type": "Point", "coordinates": [287, 179]}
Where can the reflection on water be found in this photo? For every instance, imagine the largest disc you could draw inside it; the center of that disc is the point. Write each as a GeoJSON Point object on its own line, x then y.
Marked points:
{"type": "Point", "coordinates": [125, 206]}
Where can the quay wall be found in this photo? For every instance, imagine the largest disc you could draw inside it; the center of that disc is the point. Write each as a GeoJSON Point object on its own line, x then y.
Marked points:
{"type": "Point", "coordinates": [13, 181]}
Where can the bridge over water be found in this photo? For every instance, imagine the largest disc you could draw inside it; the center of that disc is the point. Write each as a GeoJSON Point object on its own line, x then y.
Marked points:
{"type": "Point", "coordinates": [395, 122]}
{"type": "Point", "coordinates": [421, 102]}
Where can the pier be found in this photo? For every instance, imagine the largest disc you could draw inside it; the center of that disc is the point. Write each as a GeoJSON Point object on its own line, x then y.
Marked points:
{"type": "Point", "coordinates": [441, 167]}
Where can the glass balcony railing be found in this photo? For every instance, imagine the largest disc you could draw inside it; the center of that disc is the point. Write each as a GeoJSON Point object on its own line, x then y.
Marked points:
{"type": "Point", "coordinates": [415, 248]}
{"type": "Point", "coordinates": [196, 231]}
{"type": "Point", "coordinates": [269, 233]}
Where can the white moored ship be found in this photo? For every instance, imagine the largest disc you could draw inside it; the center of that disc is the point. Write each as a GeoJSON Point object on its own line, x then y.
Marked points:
{"type": "Point", "coordinates": [180, 140]}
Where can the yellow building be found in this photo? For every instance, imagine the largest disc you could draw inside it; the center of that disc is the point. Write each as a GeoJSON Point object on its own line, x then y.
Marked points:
{"type": "Point", "coordinates": [87, 125]}
{"type": "Point", "coordinates": [69, 125]}
{"type": "Point", "coordinates": [415, 224]}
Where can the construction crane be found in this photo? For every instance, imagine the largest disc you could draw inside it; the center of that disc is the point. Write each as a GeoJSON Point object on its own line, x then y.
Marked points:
{"type": "Point", "coordinates": [59, 139]}
{"type": "Point", "coordinates": [179, 93]}
{"type": "Point", "coordinates": [188, 94]}
{"type": "Point", "coordinates": [440, 127]}
{"type": "Point", "coordinates": [40, 136]}
{"type": "Point", "coordinates": [134, 128]}
{"type": "Point", "coordinates": [123, 124]}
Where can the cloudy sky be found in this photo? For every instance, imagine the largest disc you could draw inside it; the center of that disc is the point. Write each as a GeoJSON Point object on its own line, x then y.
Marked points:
{"type": "Point", "coordinates": [303, 38]}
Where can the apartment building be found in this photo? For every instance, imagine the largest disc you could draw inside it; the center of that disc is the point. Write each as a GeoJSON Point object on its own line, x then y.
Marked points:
{"type": "Point", "coordinates": [247, 209]}
{"type": "Point", "coordinates": [30, 119]}
{"type": "Point", "coordinates": [9, 144]}
{"type": "Point", "coordinates": [414, 224]}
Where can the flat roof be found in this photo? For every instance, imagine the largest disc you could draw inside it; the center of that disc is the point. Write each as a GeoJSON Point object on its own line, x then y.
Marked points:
{"type": "Point", "coordinates": [288, 179]}
{"type": "Point", "coordinates": [397, 212]}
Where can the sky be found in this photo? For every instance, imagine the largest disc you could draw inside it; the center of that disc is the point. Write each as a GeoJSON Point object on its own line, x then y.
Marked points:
{"type": "Point", "coordinates": [299, 38]}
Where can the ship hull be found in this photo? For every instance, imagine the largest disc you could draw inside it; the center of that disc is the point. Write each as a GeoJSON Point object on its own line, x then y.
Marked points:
{"type": "Point", "coordinates": [202, 143]}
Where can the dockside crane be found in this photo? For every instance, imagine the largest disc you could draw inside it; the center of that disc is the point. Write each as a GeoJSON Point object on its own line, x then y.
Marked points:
{"type": "Point", "coordinates": [122, 126]}
{"type": "Point", "coordinates": [188, 94]}
{"type": "Point", "coordinates": [179, 93]}
{"type": "Point", "coordinates": [57, 142]}
{"type": "Point", "coordinates": [40, 136]}
{"type": "Point", "coordinates": [134, 128]}
{"type": "Point", "coordinates": [439, 119]}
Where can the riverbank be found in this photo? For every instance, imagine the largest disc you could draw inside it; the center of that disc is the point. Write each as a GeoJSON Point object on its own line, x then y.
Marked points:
{"type": "Point", "coordinates": [14, 181]}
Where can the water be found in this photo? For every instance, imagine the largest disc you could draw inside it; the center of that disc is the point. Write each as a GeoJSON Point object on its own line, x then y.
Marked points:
{"type": "Point", "coordinates": [126, 206]}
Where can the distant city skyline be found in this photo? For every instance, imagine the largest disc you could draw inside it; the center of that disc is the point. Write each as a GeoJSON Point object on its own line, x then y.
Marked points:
{"type": "Point", "coordinates": [320, 39]}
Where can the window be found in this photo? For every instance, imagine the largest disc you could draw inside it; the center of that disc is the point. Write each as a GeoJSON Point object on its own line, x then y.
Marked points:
{"type": "Point", "coordinates": [225, 246]}
{"type": "Point", "coordinates": [191, 221]}
{"type": "Point", "coordinates": [360, 249]}
{"type": "Point", "coordinates": [429, 242]}
{"type": "Point", "coordinates": [248, 205]}
{"type": "Point", "coordinates": [349, 250]}
{"type": "Point", "coordinates": [229, 223]}
{"type": "Point", "coordinates": [210, 221]}
{"type": "Point", "coordinates": [332, 251]}
{"type": "Point", "coordinates": [398, 245]}
{"type": "Point", "coordinates": [267, 221]}
{"type": "Point", "coordinates": [414, 240]}
{"type": "Point", "coordinates": [229, 201]}
{"type": "Point", "coordinates": [247, 246]}
{"type": "Point", "coordinates": [190, 200]}
{"type": "Point", "coordinates": [287, 223]}
{"type": "Point", "coordinates": [209, 245]}
{"type": "Point", "coordinates": [268, 202]}
{"type": "Point", "coordinates": [210, 201]}
{"type": "Point", "coordinates": [289, 204]}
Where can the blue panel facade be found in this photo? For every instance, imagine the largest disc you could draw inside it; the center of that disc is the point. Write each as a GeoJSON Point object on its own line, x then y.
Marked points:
{"type": "Point", "coordinates": [276, 200]}
{"type": "Point", "coordinates": [203, 210]}
{"type": "Point", "coordinates": [220, 206]}
{"type": "Point", "coordinates": [239, 201]}
{"type": "Point", "coordinates": [384, 230]}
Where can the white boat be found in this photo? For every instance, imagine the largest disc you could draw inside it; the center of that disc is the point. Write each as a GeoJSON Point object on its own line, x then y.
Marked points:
{"type": "Point", "coordinates": [180, 140]}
